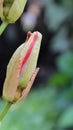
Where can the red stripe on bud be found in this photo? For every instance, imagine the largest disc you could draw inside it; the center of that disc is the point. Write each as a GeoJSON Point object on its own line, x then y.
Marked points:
{"type": "Point", "coordinates": [29, 50]}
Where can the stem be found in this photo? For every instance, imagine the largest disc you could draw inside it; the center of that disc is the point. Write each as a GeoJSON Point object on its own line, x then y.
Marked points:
{"type": "Point", "coordinates": [3, 27]}
{"type": "Point", "coordinates": [5, 110]}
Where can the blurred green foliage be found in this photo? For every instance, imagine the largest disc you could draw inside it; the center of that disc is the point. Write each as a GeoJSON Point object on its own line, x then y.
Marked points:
{"type": "Point", "coordinates": [64, 76]}
{"type": "Point", "coordinates": [63, 82]}
{"type": "Point", "coordinates": [44, 109]}
{"type": "Point", "coordinates": [59, 18]}
{"type": "Point", "coordinates": [37, 112]}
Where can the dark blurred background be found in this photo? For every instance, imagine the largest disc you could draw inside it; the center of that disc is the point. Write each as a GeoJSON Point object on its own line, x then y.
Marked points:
{"type": "Point", "coordinates": [54, 19]}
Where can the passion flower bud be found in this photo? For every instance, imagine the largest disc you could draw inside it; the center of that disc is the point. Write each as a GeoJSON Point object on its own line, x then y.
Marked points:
{"type": "Point", "coordinates": [21, 70]}
{"type": "Point", "coordinates": [12, 9]}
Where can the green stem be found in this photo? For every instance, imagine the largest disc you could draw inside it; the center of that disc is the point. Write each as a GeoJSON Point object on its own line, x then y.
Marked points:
{"type": "Point", "coordinates": [3, 27]}
{"type": "Point", "coordinates": [5, 110]}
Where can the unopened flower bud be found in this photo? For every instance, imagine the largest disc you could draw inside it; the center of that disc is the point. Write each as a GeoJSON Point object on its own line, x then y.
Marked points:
{"type": "Point", "coordinates": [1, 8]}
{"type": "Point", "coordinates": [21, 70]}
{"type": "Point", "coordinates": [11, 10]}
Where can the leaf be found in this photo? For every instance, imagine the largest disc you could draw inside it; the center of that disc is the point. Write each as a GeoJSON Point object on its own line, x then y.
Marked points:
{"type": "Point", "coordinates": [66, 119]}
{"type": "Point", "coordinates": [65, 63]}
{"type": "Point", "coordinates": [59, 79]}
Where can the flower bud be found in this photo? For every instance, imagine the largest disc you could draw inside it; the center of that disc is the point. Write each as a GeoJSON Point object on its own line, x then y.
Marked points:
{"type": "Point", "coordinates": [21, 70]}
{"type": "Point", "coordinates": [11, 10]}
{"type": "Point", "coordinates": [1, 8]}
